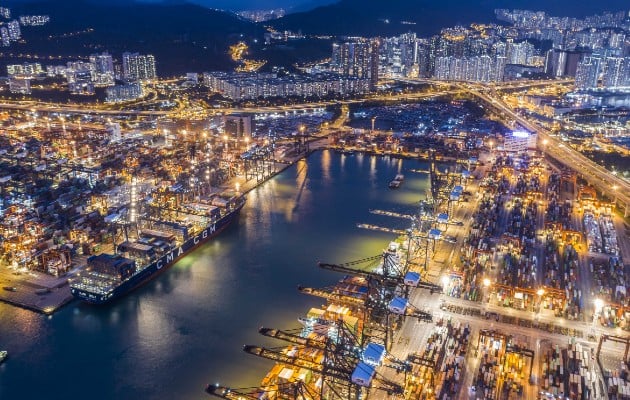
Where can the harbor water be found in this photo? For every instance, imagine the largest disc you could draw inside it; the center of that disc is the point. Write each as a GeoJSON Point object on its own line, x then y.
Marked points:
{"type": "Point", "coordinates": [186, 328]}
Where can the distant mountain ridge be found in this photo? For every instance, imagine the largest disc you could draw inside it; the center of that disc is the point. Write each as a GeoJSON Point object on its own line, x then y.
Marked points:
{"type": "Point", "coordinates": [384, 17]}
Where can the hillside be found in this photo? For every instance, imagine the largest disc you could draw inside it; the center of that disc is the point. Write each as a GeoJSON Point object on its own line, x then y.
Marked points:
{"type": "Point", "coordinates": [183, 37]}
{"type": "Point", "coordinates": [373, 18]}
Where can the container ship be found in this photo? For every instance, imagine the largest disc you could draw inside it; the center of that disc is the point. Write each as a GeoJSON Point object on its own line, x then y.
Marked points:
{"type": "Point", "coordinates": [169, 227]}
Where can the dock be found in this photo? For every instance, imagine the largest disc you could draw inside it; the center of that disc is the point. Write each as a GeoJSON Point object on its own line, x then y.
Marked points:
{"type": "Point", "coordinates": [34, 291]}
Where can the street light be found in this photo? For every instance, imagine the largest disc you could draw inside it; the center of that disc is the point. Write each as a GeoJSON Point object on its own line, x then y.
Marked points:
{"type": "Point", "coordinates": [445, 282]}
{"type": "Point", "coordinates": [599, 304]}
{"type": "Point", "coordinates": [540, 293]}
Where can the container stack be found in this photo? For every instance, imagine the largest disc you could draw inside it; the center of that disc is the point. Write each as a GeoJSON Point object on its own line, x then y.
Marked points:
{"type": "Point", "coordinates": [439, 375]}
{"type": "Point", "coordinates": [609, 235]}
{"type": "Point", "coordinates": [567, 372]}
{"type": "Point", "coordinates": [492, 351]}
{"type": "Point", "coordinates": [593, 232]}
{"type": "Point", "coordinates": [611, 284]}
{"type": "Point", "coordinates": [552, 380]}
{"type": "Point", "coordinates": [618, 385]}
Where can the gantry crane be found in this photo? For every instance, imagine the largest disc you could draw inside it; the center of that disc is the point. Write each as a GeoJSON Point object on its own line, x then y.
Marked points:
{"type": "Point", "coordinates": [392, 274]}
{"type": "Point", "coordinates": [336, 357]}
{"type": "Point", "coordinates": [258, 162]}
{"type": "Point", "coordinates": [387, 290]}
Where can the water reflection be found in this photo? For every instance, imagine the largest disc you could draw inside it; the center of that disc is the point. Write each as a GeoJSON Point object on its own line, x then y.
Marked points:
{"type": "Point", "coordinates": [373, 170]}
{"type": "Point", "coordinates": [360, 157]}
{"type": "Point", "coordinates": [302, 196]}
{"type": "Point", "coordinates": [325, 165]}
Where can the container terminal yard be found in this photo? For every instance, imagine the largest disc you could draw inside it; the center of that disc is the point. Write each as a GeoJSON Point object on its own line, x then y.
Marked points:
{"type": "Point", "coordinates": [509, 283]}
{"type": "Point", "coordinates": [73, 191]}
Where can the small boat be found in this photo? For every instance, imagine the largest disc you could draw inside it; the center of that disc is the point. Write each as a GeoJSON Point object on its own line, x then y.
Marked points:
{"type": "Point", "coordinates": [3, 355]}
{"type": "Point", "coordinates": [394, 184]}
{"type": "Point", "coordinates": [10, 288]}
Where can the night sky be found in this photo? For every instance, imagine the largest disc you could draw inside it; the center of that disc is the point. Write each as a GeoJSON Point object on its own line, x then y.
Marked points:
{"type": "Point", "coordinates": [572, 7]}
{"type": "Point", "coordinates": [222, 4]}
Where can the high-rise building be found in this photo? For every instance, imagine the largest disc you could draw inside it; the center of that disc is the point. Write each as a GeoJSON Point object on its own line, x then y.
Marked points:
{"type": "Point", "coordinates": [14, 30]}
{"type": "Point", "coordinates": [34, 20]}
{"type": "Point", "coordinates": [5, 12]}
{"type": "Point", "coordinates": [519, 53]}
{"type": "Point", "coordinates": [587, 73]}
{"type": "Point", "coordinates": [474, 69]}
{"type": "Point", "coordinates": [499, 68]}
{"type": "Point", "coordinates": [617, 72]}
{"type": "Point", "coordinates": [4, 35]}
{"type": "Point", "coordinates": [573, 60]}
{"type": "Point", "coordinates": [556, 63]}
{"type": "Point", "coordinates": [79, 77]}
{"type": "Point", "coordinates": [26, 70]}
{"type": "Point", "coordinates": [120, 93]}
{"type": "Point", "coordinates": [103, 72]}
{"type": "Point", "coordinates": [616, 40]}
{"type": "Point", "coordinates": [357, 59]}
{"type": "Point", "coordinates": [137, 67]}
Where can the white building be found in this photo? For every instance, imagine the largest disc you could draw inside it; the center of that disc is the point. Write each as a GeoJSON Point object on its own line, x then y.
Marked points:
{"type": "Point", "coordinates": [519, 141]}
{"type": "Point", "coordinates": [27, 70]}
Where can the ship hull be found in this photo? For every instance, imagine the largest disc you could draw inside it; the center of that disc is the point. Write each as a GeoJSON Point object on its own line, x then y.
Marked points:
{"type": "Point", "coordinates": [161, 264]}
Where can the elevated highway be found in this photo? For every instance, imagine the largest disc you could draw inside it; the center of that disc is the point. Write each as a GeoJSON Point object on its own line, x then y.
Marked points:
{"type": "Point", "coordinates": [446, 88]}
{"type": "Point", "coordinates": [603, 180]}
